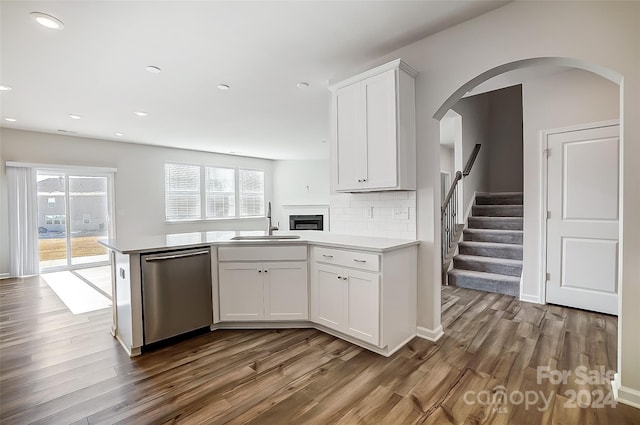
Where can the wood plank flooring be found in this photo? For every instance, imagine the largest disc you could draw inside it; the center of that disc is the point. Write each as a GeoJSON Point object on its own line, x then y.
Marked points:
{"type": "Point", "coordinates": [57, 368]}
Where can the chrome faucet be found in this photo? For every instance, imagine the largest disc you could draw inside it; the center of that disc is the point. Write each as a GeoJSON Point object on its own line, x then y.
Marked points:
{"type": "Point", "coordinates": [270, 226]}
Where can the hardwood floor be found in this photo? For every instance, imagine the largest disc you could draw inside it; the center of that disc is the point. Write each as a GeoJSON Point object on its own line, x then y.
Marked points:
{"type": "Point", "coordinates": [57, 368]}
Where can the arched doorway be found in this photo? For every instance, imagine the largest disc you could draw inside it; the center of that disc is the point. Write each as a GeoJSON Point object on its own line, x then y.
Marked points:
{"type": "Point", "coordinates": [533, 283]}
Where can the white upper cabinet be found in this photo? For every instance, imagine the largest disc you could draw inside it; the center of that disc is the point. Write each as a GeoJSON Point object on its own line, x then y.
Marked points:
{"type": "Point", "coordinates": [374, 142]}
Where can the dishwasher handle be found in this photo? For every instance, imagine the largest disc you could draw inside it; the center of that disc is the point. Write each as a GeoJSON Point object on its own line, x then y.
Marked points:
{"type": "Point", "coordinates": [171, 257]}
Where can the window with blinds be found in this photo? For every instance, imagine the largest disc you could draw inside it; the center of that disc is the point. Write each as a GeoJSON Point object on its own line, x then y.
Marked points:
{"type": "Point", "coordinates": [182, 192]}
{"type": "Point", "coordinates": [194, 192]}
{"type": "Point", "coordinates": [251, 193]}
{"type": "Point", "coordinates": [220, 192]}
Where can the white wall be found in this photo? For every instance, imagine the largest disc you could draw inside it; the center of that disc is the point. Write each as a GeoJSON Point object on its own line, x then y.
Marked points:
{"type": "Point", "coordinates": [601, 36]}
{"type": "Point", "coordinates": [565, 99]}
{"type": "Point", "coordinates": [4, 224]}
{"type": "Point", "coordinates": [139, 182]}
{"type": "Point", "coordinates": [447, 160]}
{"type": "Point", "coordinates": [299, 183]}
{"type": "Point", "coordinates": [476, 126]}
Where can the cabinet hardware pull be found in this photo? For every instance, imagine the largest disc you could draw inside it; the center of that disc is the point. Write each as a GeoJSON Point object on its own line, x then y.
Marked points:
{"type": "Point", "coordinates": [259, 271]}
{"type": "Point", "coordinates": [339, 277]}
{"type": "Point", "coordinates": [364, 180]}
{"type": "Point", "coordinates": [171, 257]}
{"type": "Point", "coordinates": [345, 278]}
{"type": "Point", "coordinates": [359, 261]}
{"type": "Point", "coordinates": [327, 256]}
{"type": "Point", "coordinates": [266, 271]}
{"type": "Point", "coordinates": [360, 180]}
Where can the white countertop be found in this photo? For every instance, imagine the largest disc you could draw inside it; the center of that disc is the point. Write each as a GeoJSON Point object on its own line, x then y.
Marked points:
{"type": "Point", "coordinates": [198, 239]}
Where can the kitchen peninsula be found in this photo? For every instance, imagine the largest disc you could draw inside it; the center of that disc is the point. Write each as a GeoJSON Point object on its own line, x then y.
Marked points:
{"type": "Point", "coordinates": [360, 289]}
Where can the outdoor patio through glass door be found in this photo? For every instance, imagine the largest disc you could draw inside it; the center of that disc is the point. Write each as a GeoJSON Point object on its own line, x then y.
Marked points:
{"type": "Point", "coordinates": [74, 212]}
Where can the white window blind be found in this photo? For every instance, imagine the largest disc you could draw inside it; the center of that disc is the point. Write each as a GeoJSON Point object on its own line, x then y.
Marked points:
{"type": "Point", "coordinates": [251, 193]}
{"type": "Point", "coordinates": [182, 192]}
{"type": "Point", "coordinates": [220, 192]}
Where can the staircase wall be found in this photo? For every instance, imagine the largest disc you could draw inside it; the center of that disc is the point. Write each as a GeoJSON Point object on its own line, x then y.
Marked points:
{"type": "Point", "coordinates": [475, 112]}
{"type": "Point", "coordinates": [505, 131]}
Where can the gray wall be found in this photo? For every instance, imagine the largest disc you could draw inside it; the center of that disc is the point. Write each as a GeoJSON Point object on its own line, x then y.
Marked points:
{"type": "Point", "coordinates": [493, 119]}
{"type": "Point", "coordinates": [505, 140]}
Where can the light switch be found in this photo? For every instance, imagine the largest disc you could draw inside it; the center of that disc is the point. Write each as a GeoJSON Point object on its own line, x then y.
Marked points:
{"type": "Point", "coordinates": [122, 273]}
{"type": "Point", "coordinates": [401, 213]}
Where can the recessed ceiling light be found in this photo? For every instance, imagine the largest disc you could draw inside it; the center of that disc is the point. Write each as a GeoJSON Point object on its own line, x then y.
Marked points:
{"type": "Point", "coordinates": [153, 69]}
{"type": "Point", "coordinates": [119, 134]}
{"type": "Point", "coordinates": [4, 88]}
{"type": "Point", "coordinates": [75, 116]}
{"type": "Point", "coordinates": [10, 119]}
{"type": "Point", "coordinates": [302, 85]}
{"type": "Point", "coordinates": [141, 113]}
{"type": "Point", "coordinates": [47, 20]}
{"type": "Point", "coordinates": [223, 87]}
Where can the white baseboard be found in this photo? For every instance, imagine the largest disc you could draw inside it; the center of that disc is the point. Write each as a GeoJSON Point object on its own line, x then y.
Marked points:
{"type": "Point", "coordinates": [5, 275]}
{"type": "Point", "coordinates": [625, 395]}
{"type": "Point", "coordinates": [429, 334]}
{"type": "Point", "coordinates": [531, 298]}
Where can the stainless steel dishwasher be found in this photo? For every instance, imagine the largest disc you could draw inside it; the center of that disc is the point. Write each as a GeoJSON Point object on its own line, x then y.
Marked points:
{"type": "Point", "coordinates": [176, 293]}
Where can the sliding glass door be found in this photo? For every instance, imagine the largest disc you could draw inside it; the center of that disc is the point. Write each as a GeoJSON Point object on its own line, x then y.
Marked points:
{"type": "Point", "coordinates": [74, 212]}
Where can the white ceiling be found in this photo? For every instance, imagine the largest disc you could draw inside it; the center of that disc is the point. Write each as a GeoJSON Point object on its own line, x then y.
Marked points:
{"type": "Point", "coordinates": [95, 67]}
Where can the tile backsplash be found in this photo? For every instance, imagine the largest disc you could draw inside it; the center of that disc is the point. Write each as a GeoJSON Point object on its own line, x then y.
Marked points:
{"type": "Point", "coordinates": [380, 214]}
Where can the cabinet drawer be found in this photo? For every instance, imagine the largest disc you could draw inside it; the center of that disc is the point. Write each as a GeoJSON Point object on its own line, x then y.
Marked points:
{"type": "Point", "coordinates": [262, 253]}
{"type": "Point", "coordinates": [355, 259]}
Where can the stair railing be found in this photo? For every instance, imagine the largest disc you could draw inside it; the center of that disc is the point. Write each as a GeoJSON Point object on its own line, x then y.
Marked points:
{"type": "Point", "coordinates": [449, 209]}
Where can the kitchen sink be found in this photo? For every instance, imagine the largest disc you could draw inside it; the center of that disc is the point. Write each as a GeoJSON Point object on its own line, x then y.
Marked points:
{"type": "Point", "coordinates": [265, 237]}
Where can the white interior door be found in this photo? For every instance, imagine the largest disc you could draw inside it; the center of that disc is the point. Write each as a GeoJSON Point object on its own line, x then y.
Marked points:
{"type": "Point", "coordinates": [582, 225]}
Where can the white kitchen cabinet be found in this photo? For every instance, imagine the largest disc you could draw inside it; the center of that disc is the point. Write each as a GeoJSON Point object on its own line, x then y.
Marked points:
{"type": "Point", "coordinates": [241, 291]}
{"type": "Point", "coordinates": [263, 290]}
{"type": "Point", "coordinates": [374, 144]}
{"type": "Point", "coordinates": [347, 301]}
{"type": "Point", "coordinates": [328, 305]}
{"type": "Point", "coordinates": [363, 308]}
{"type": "Point", "coordinates": [370, 298]}
{"type": "Point", "coordinates": [286, 291]}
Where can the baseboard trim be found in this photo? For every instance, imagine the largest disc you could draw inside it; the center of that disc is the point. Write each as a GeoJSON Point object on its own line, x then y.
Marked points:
{"type": "Point", "coordinates": [132, 352]}
{"type": "Point", "coordinates": [531, 298]}
{"type": "Point", "coordinates": [625, 395]}
{"type": "Point", "coordinates": [429, 334]}
{"type": "Point", "coordinates": [5, 275]}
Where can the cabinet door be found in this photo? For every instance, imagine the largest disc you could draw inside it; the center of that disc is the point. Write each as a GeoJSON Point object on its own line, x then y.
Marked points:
{"type": "Point", "coordinates": [381, 131]}
{"type": "Point", "coordinates": [241, 291]}
{"type": "Point", "coordinates": [328, 300]}
{"type": "Point", "coordinates": [286, 294]}
{"type": "Point", "coordinates": [350, 138]}
{"type": "Point", "coordinates": [363, 306]}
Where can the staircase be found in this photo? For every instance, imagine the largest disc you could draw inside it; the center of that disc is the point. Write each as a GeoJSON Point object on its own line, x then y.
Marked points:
{"type": "Point", "coordinates": [490, 255]}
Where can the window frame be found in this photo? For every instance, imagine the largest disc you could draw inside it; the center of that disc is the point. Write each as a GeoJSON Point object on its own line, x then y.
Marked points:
{"type": "Point", "coordinates": [181, 220]}
{"type": "Point", "coordinates": [238, 187]}
{"type": "Point", "coordinates": [203, 194]}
